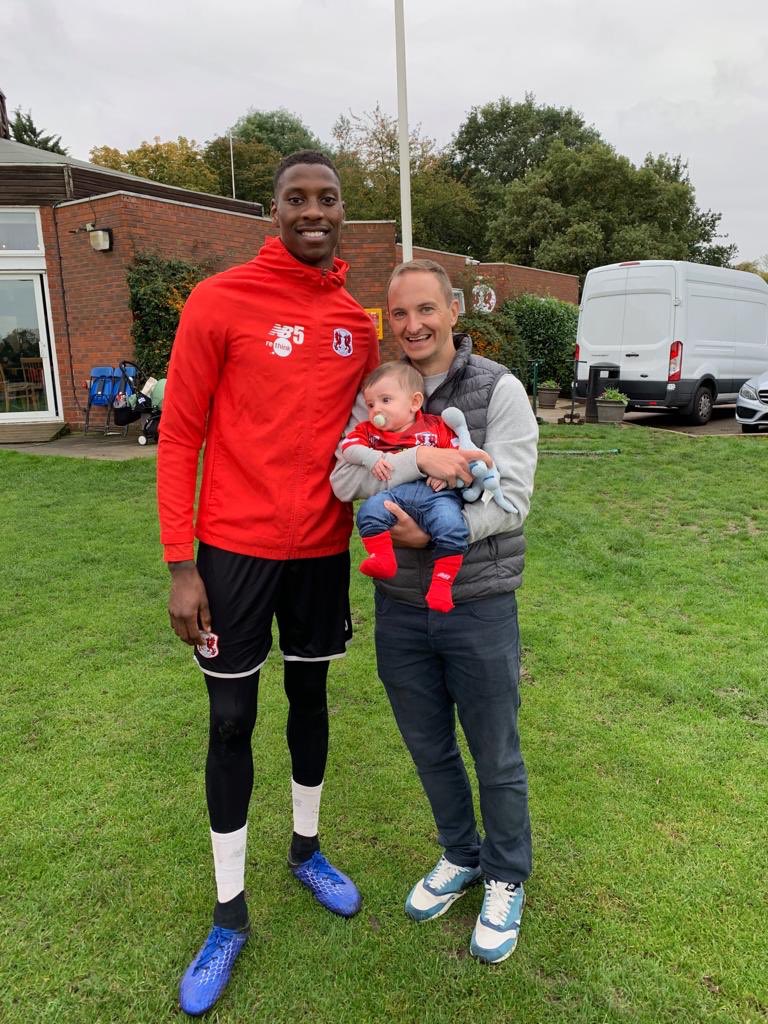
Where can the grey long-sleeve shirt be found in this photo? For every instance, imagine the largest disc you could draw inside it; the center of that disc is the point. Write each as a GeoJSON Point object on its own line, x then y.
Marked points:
{"type": "Point", "coordinates": [511, 441]}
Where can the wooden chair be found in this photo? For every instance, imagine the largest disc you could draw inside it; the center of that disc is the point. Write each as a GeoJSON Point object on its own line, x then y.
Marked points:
{"type": "Point", "coordinates": [32, 372]}
{"type": "Point", "coordinates": [10, 391]}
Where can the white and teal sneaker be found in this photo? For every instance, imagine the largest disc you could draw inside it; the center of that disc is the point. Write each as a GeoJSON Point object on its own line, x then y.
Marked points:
{"type": "Point", "coordinates": [434, 894]}
{"type": "Point", "coordinates": [497, 927]}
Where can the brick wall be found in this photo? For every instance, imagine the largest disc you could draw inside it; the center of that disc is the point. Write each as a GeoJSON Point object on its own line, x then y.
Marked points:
{"type": "Point", "coordinates": [453, 263]}
{"type": "Point", "coordinates": [92, 286]}
{"type": "Point", "coordinates": [89, 296]}
{"type": "Point", "coordinates": [507, 279]}
{"type": "Point", "coordinates": [369, 248]}
{"type": "Point", "coordinates": [89, 293]}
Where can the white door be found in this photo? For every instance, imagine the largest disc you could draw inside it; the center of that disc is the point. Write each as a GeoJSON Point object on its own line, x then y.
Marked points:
{"type": "Point", "coordinates": [26, 369]}
{"type": "Point", "coordinates": [649, 323]}
{"type": "Point", "coordinates": [601, 320]}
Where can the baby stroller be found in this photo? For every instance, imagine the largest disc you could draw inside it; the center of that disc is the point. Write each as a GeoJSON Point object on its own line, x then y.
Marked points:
{"type": "Point", "coordinates": [151, 426]}
{"type": "Point", "coordinates": [133, 402]}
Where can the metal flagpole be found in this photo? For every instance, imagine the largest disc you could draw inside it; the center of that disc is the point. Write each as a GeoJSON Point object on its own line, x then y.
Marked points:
{"type": "Point", "coordinates": [402, 121]}
{"type": "Point", "coordinates": [232, 165]}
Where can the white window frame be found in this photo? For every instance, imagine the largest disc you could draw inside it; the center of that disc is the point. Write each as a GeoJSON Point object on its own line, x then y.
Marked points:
{"type": "Point", "coordinates": [458, 294]}
{"type": "Point", "coordinates": [25, 259]}
{"type": "Point", "coordinates": [45, 347]}
{"type": "Point", "coordinates": [22, 264]}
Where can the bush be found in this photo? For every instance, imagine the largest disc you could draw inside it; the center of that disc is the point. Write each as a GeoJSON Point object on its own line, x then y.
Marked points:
{"type": "Point", "coordinates": [548, 331]}
{"type": "Point", "coordinates": [495, 336]}
{"type": "Point", "coordinates": [158, 290]}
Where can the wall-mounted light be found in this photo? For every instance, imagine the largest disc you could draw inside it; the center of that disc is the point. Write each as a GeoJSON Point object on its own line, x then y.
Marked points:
{"type": "Point", "coordinates": [100, 239]}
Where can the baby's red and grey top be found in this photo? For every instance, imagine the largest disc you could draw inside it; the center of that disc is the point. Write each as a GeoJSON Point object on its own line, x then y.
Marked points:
{"type": "Point", "coordinates": [426, 429]}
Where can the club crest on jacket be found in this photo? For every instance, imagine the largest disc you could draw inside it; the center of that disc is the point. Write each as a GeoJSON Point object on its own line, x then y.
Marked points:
{"type": "Point", "coordinates": [342, 341]}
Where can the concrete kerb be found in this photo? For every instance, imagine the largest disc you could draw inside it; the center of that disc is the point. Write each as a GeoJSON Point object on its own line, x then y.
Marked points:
{"type": "Point", "coordinates": [118, 448]}
{"type": "Point", "coordinates": [722, 424]}
{"type": "Point", "coordinates": [106, 447]}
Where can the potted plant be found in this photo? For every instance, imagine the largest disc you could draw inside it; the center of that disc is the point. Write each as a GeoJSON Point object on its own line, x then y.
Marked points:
{"type": "Point", "coordinates": [610, 406]}
{"type": "Point", "coordinates": [547, 393]}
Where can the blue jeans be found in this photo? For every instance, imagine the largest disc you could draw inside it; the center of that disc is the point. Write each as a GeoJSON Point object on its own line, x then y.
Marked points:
{"type": "Point", "coordinates": [438, 513]}
{"type": "Point", "coordinates": [433, 665]}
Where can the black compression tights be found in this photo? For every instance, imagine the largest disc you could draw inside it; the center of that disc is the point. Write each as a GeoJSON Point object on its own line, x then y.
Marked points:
{"type": "Point", "coordinates": [229, 766]}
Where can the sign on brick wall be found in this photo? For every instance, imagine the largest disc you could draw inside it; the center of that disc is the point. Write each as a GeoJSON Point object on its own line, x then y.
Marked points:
{"type": "Point", "coordinates": [377, 315]}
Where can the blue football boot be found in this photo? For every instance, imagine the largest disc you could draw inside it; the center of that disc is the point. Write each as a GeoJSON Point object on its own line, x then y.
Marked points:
{"type": "Point", "coordinates": [207, 976]}
{"type": "Point", "coordinates": [330, 887]}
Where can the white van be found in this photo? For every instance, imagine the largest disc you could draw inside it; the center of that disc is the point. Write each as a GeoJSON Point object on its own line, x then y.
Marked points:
{"type": "Point", "coordinates": [672, 335]}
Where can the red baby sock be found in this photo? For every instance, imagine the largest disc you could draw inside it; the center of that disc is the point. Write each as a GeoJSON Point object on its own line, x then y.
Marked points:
{"type": "Point", "coordinates": [444, 573]}
{"type": "Point", "coordinates": [381, 563]}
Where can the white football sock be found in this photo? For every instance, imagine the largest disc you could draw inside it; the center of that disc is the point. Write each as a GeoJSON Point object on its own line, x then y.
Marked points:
{"type": "Point", "coordinates": [306, 808]}
{"type": "Point", "coordinates": [229, 862]}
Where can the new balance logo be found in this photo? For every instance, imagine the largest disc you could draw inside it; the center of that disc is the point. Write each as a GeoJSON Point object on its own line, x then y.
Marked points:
{"type": "Point", "coordinates": [285, 337]}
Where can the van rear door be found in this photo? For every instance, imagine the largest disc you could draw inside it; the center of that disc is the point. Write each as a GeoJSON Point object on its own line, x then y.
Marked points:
{"type": "Point", "coordinates": [649, 323]}
{"type": "Point", "coordinates": [601, 320]}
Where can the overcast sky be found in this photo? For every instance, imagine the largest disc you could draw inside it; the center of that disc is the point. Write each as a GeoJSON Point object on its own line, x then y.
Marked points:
{"type": "Point", "coordinates": [675, 76]}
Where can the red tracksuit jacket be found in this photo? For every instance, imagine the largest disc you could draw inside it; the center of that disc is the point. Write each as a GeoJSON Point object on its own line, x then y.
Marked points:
{"type": "Point", "coordinates": [266, 364]}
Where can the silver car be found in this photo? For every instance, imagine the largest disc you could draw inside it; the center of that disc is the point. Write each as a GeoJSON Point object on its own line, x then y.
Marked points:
{"type": "Point", "coordinates": [752, 404]}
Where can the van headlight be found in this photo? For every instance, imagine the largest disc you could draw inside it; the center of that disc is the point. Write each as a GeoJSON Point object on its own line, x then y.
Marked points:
{"type": "Point", "coordinates": [748, 392]}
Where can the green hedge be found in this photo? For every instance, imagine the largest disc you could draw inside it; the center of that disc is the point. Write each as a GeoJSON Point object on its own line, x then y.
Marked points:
{"type": "Point", "coordinates": [158, 290]}
{"type": "Point", "coordinates": [495, 336]}
{"type": "Point", "coordinates": [548, 330]}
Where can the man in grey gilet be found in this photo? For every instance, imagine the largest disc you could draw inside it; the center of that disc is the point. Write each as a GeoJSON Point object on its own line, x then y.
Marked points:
{"type": "Point", "coordinates": [434, 664]}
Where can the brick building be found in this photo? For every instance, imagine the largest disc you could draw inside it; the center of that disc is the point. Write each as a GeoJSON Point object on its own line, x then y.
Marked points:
{"type": "Point", "coordinates": [69, 231]}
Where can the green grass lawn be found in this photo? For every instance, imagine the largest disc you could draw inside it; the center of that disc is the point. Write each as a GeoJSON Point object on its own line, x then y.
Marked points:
{"type": "Point", "coordinates": [645, 727]}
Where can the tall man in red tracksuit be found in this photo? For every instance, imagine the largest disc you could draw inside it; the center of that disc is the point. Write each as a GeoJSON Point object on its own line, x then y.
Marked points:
{"type": "Point", "coordinates": [267, 362]}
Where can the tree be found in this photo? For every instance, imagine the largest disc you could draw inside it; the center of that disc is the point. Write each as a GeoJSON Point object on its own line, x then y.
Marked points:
{"type": "Point", "coordinates": [367, 154]}
{"type": "Point", "coordinates": [443, 211]}
{"type": "Point", "coordinates": [758, 266]}
{"type": "Point", "coordinates": [177, 163]}
{"type": "Point", "coordinates": [24, 130]}
{"type": "Point", "coordinates": [254, 163]}
{"type": "Point", "coordinates": [278, 129]}
{"type": "Point", "coordinates": [502, 141]}
{"type": "Point", "coordinates": [703, 223]}
{"type": "Point", "coordinates": [580, 209]}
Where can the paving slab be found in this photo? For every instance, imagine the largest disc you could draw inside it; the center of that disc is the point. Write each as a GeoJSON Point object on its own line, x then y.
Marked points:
{"type": "Point", "coordinates": [108, 447]}
{"type": "Point", "coordinates": [117, 448]}
{"type": "Point", "coordinates": [722, 424]}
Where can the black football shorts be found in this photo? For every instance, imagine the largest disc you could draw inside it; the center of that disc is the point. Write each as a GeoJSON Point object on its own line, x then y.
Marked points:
{"type": "Point", "coordinates": [309, 597]}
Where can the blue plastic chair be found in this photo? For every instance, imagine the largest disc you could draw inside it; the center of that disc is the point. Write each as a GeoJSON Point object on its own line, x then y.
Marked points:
{"type": "Point", "coordinates": [103, 386]}
{"type": "Point", "coordinates": [100, 393]}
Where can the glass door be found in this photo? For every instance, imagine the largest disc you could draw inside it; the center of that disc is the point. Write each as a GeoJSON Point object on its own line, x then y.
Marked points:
{"type": "Point", "coordinates": [26, 379]}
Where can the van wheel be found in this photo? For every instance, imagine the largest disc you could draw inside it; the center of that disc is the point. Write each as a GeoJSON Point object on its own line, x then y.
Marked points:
{"type": "Point", "coordinates": [701, 406]}
{"type": "Point", "coordinates": [749, 428]}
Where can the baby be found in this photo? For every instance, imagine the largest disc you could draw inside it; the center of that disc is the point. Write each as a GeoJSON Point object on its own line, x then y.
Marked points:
{"type": "Point", "coordinates": [394, 396]}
